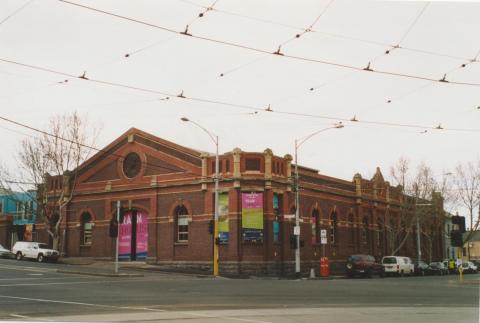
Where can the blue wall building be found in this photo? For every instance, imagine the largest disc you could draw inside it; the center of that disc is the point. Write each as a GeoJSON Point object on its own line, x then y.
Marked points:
{"type": "Point", "coordinates": [22, 207]}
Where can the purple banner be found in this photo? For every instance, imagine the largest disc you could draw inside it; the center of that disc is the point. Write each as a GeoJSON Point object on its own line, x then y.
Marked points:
{"type": "Point", "coordinates": [125, 237]}
{"type": "Point", "coordinates": [142, 235]}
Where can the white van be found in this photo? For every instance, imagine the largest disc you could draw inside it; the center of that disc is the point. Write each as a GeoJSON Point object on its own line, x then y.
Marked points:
{"type": "Point", "coordinates": [398, 265]}
{"type": "Point", "coordinates": [34, 250]}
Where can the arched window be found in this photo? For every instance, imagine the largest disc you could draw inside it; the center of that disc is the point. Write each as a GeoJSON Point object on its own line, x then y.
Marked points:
{"type": "Point", "coordinates": [333, 228]}
{"type": "Point", "coordinates": [86, 225]}
{"type": "Point", "coordinates": [365, 230]}
{"type": "Point", "coordinates": [351, 225]}
{"type": "Point", "coordinates": [181, 219]}
{"type": "Point", "coordinates": [377, 232]}
{"type": "Point", "coordinates": [315, 226]}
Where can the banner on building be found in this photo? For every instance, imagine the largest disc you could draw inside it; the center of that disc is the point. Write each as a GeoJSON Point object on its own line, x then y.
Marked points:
{"type": "Point", "coordinates": [252, 216]}
{"type": "Point", "coordinates": [223, 224]}
{"type": "Point", "coordinates": [142, 235]}
{"type": "Point", "coordinates": [133, 236]}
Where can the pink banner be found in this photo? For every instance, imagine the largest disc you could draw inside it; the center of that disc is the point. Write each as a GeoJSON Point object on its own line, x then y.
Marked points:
{"type": "Point", "coordinates": [252, 200]}
{"type": "Point", "coordinates": [142, 235]}
{"type": "Point", "coordinates": [125, 237]}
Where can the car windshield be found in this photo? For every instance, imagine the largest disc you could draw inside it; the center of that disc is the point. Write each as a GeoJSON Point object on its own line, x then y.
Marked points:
{"type": "Point", "coordinates": [355, 258]}
{"type": "Point", "coordinates": [389, 260]}
{"type": "Point", "coordinates": [43, 246]}
{"type": "Point", "coordinates": [435, 264]}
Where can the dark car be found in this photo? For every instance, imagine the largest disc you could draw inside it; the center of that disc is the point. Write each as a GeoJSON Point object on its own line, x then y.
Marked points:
{"type": "Point", "coordinates": [437, 268]}
{"type": "Point", "coordinates": [421, 268]}
{"type": "Point", "coordinates": [363, 265]}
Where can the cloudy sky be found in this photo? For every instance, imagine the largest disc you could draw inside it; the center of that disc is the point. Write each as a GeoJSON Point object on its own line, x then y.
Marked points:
{"type": "Point", "coordinates": [319, 79]}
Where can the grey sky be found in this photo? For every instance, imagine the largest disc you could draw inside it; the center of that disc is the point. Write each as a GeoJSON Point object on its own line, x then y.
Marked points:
{"type": "Point", "coordinates": [59, 36]}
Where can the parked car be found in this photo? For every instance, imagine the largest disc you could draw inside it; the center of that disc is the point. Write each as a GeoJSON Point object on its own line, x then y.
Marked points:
{"type": "Point", "coordinates": [34, 250]}
{"type": "Point", "coordinates": [395, 265]}
{"type": "Point", "coordinates": [469, 267]}
{"type": "Point", "coordinates": [363, 265]}
{"type": "Point", "coordinates": [437, 268]}
{"type": "Point", "coordinates": [420, 268]}
{"type": "Point", "coordinates": [5, 253]}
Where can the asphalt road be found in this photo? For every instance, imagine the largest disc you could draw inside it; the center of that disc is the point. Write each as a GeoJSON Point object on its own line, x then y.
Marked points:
{"type": "Point", "coordinates": [31, 291]}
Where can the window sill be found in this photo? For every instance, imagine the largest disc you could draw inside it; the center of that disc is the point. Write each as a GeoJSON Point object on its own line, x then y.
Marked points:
{"type": "Point", "coordinates": [252, 243]}
{"type": "Point", "coordinates": [183, 243]}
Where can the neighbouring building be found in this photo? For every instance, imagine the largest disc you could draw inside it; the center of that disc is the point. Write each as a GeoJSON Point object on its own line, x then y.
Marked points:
{"type": "Point", "coordinates": [471, 247]}
{"type": "Point", "coordinates": [167, 192]}
{"type": "Point", "coordinates": [18, 212]}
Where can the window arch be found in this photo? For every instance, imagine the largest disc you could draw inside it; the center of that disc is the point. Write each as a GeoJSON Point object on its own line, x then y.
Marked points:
{"type": "Point", "coordinates": [86, 226]}
{"type": "Point", "coordinates": [315, 226]}
{"type": "Point", "coordinates": [333, 228]}
{"type": "Point", "coordinates": [351, 223]}
{"type": "Point", "coordinates": [365, 230]}
{"type": "Point", "coordinates": [181, 221]}
{"type": "Point", "coordinates": [381, 234]}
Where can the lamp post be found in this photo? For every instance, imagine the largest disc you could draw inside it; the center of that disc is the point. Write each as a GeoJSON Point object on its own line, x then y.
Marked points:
{"type": "Point", "coordinates": [215, 222]}
{"type": "Point", "coordinates": [298, 143]}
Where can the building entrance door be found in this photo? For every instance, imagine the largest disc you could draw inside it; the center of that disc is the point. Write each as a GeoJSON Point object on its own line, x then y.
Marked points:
{"type": "Point", "coordinates": [133, 236]}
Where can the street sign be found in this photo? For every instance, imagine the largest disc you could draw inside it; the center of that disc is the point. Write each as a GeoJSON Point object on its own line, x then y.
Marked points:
{"type": "Point", "coordinates": [323, 233]}
{"type": "Point", "coordinates": [296, 230]}
{"type": "Point", "coordinates": [323, 240]}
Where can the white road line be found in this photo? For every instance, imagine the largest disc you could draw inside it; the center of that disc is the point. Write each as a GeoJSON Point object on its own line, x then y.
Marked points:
{"type": "Point", "coordinates": [61, 302]}
{"type": "Point", "coordinates": [19, 316]}
{"type": "Point", "coordinates": [129, 308]}
{"type": "Point", "coordinates": [66, 283]}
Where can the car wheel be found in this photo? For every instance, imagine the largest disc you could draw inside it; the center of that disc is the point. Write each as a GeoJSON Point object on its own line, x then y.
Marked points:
{"type": "Point", "coordinates": [40, 258]}
{"type": "Point", "coordinates": [401, 273]}
{"type": "Point", "coordinates": [19, 256]}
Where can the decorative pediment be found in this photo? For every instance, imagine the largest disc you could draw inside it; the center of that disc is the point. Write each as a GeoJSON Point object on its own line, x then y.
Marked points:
{"type": "Point", "coordinates": [137, 154]}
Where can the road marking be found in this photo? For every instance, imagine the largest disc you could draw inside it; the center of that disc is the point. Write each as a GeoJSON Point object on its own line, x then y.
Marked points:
{"type": "Point", "coordinates": [35, 274]}
{"type": "Point", "coordinates": [129, 308]}
{"type": "Point", "coordinates": [63, 283]}
{"type": "Point", "coordinates": [20, 316]}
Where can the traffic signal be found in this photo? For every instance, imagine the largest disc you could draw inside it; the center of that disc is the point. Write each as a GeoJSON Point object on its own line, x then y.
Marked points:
{"type": "Point", "coordinates": [122, 214]}
{"type": "Point", "coordinates": [293, 242]}
{"type": "Point", "coordinates": [460, 221]}
{"type": "Point", "coordinates": [210, 226]}
{"type": "Point", "coordinates": [456, 238]}
{"type": "Point", "coordinates": [113, 228]}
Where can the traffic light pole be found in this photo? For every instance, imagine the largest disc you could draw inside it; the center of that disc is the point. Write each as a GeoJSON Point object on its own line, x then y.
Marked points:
{"type": "Point", "coordinates": [118, 233]}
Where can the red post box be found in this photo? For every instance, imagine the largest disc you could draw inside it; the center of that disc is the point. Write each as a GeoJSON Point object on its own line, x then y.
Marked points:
{"type": "Point", "coordinates": [324, 270]}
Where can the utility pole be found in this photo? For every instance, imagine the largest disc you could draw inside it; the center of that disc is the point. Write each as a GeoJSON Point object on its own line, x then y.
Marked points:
{"type": "Point", "coordinates": [118, 233]}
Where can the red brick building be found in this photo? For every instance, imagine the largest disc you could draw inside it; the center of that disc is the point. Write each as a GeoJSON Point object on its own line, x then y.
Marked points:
{"type": "Point", "coordinates": [172, 190]}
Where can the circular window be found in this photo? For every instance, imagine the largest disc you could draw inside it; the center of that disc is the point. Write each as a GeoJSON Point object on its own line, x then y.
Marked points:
{"type": "Point", "coordinates": [131, 165]}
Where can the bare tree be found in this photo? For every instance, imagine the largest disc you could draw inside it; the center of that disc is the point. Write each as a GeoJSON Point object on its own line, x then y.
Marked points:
{"type": "Point", "coordinates": [421, 201]}
{"type": "Point", "coordinates": [467, 183]}
{"type": "Point", "coordinates": [53, 157]}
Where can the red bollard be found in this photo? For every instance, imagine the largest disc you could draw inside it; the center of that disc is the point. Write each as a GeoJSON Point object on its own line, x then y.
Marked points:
{"type": "Point", "coordinates": [324, 270]}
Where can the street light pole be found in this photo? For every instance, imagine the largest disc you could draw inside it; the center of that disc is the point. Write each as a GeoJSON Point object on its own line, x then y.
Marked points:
{"type": "Point", "coordinates": [298, 143]}
{"type": "Point", "coordinates": [215, 222]}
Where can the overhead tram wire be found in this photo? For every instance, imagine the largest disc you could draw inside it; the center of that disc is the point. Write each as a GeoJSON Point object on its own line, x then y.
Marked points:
{"type": "Point", "coordinates": [297, 36]}
{"type": "Point", "coordinates": [200, 15]}
{"type": "Point", "coordinates": [80, 144]}
{"type": "Point", "coordinates": [258, 50]}
{"type": "Point", "coordinates": [16, 12]}
{"type": "Point", "coordinates": [334, 35]}
{"type": "Point", "coordinates": [233, 105]}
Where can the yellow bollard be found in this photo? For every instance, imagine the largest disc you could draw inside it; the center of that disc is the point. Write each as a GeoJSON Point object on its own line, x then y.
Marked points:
{"type": "Point", "coordinates": [460, 276]}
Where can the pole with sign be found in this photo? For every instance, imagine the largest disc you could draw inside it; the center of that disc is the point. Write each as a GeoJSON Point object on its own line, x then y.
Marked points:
{"type": "Point", "coordinates": [323, 240]}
